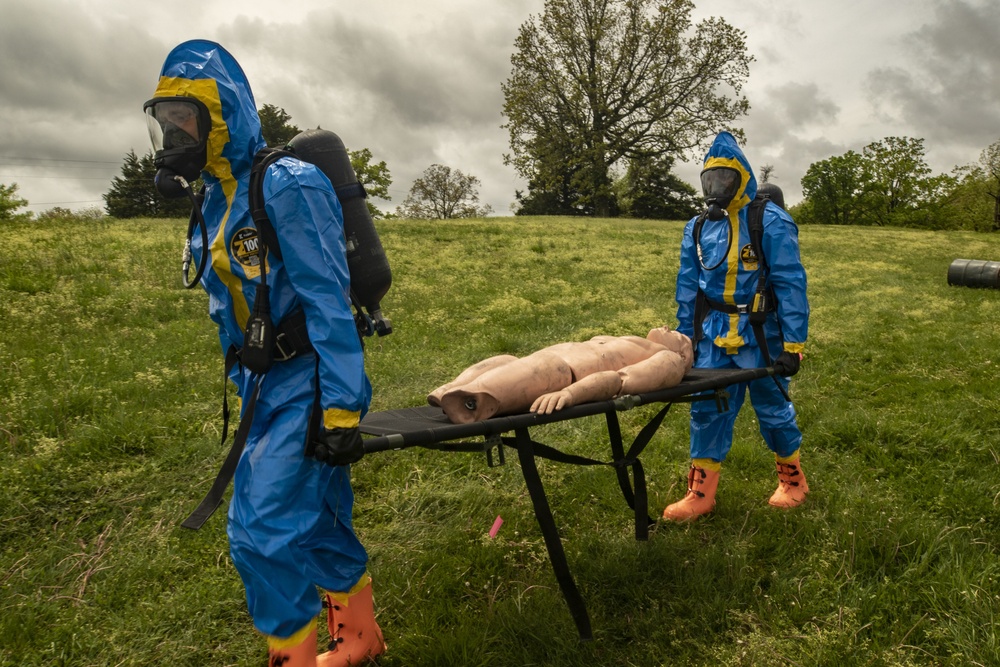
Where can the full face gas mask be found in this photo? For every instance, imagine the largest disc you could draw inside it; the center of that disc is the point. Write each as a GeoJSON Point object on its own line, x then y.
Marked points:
{"type": "Point", "coordinates": [178, 128]}
{"type": "Point", "coordinates": [719, 185]}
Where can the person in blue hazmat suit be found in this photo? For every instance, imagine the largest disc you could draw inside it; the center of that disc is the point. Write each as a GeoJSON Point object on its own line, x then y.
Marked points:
{"type": "Point", "coordinates": [718, 285]}
{"type": "Point", "coordinates": [290, 525]}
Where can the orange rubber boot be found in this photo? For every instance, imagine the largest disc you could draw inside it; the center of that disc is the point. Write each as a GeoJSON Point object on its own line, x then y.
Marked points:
{"type": "Point", "coordinates": [700, 497]}
{"type": "Point", "coordinates": [792, 485]}
{"type": "Point", "coordinates": [355, 638]}
{"type": "Point", "coordinates": [301, 653]}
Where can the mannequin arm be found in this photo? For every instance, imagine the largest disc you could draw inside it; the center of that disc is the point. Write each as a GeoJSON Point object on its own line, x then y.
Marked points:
{"type": "Point", "coordinates": [664, 369]}
{"type": "Point", "coordinates": [595, 387]}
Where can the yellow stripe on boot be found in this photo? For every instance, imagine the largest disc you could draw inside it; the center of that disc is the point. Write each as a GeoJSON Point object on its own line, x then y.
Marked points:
{"type": "Point", "coordinates": [344, 598]}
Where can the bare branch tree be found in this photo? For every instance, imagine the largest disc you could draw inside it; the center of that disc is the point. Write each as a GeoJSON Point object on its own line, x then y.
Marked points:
{"type": "Point", "coordinates": [442, 193]}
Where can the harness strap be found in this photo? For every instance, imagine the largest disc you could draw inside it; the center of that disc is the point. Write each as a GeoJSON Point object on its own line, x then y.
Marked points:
{"type": "Point", "coordinates": [353, 190]}
{"type": "Point", "coordinates": [292, 340]}
{"type": "Point", "coordinates": [264, 158]}
{"type": "Point", "coordinates": [703, 304]}
{"type": "Point", "coordinates": [232, 357]}
{"type": "Point", "coordinates": [214, 496]}
{"type": "Point", "coordinates": [755, 225]}
{"type": "Point", "coordinates": [740, 308]}
{"type": "Point", "coordinates": [639, 499]}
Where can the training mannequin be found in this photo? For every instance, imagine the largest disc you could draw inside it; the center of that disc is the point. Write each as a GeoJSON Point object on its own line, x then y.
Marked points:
{"type": "Point", "coordinates": [566, 374]}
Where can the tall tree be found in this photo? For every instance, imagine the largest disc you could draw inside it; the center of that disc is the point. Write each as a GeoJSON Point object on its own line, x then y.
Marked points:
{"type": "Point", "coordinates": [969, 203]}
{"type": "Point", "coordinates": [442, 193]}
{"type": "Point", "coordinates": [832, 188]}
{"type": "Point", "coordinates": [650, 190]}
{"type": "Point", "coordinates": [558, 184]}
{"type": "Point", "coordinates": [375, 177]}
{"type": "Point", "coordinates": [897, 179]}
{"type": "Point", "coordinates": [275, 127]}
{"type": "Point", "coordinates": [618, 79]}
{"type": "Point", "coordinates": [133, 194]}
{"type": "Point", "coordinates": [10, 202]}
{"type": "Point", "coordinates": [990, 160]}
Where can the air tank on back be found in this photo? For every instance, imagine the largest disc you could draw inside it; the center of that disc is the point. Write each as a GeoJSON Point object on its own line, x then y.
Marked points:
{"type": "Point", "coordinates": [369, 267]}
{"type": "Point", "coordinates": [772, 192]}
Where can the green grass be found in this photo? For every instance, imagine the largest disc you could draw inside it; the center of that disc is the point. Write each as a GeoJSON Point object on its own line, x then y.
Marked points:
{"type": "Point", "coordinates": [110, 417]}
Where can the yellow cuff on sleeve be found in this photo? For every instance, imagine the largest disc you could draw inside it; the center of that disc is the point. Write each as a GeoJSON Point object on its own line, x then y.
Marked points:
{"type": "Point", "coordinates": [337, 418]}
{"type": "Point", "coordinates": [794, 348]}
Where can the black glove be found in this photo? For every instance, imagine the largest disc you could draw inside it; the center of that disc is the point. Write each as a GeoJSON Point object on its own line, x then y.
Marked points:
{"type": "Point", "coordinates": [337, 447]}
{"type": "Point", "coordinates": [787, 363]}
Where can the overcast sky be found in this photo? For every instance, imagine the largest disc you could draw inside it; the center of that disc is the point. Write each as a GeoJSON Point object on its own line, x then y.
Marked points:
{"type": "Point", "coordinates": [418, 83]}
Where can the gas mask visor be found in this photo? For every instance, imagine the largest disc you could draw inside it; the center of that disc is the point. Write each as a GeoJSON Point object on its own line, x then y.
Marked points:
{"type": "Point", "coordinates": [176, 122]}
{"type": "Point", "coordinates": [720, 185]}
{"type": "Point", "coordinates": [178, 130]}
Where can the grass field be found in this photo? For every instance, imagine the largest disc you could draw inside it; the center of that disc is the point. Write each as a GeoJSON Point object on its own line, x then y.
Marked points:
{"type": "Point", "coordinates": [110, 417]}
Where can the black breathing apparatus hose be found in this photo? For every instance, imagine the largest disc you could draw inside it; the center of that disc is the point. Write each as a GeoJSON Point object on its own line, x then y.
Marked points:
{"type": "Point", "coordinates": [696, 234]}
{"type": "Point", "coordinates": [196, 219]}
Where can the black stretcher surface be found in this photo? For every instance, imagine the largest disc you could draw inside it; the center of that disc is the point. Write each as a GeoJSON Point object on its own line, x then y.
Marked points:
{"type": "Point", "coordinates": [428, 426]}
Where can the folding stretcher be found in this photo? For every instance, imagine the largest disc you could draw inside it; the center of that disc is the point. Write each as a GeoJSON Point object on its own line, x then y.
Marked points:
{"type": "Point", "coordinates": [429, 427]}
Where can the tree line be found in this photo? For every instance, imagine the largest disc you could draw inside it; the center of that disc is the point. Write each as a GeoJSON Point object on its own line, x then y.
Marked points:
{"type": "Point", "coordinates": [890, 184]}
{"type": "Point", "coordinates": [603, 99]}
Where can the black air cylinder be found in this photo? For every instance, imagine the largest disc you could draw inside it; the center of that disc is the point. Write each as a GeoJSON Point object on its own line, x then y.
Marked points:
{"type": "Point", "coordinates": [974, 273]}
{"type": "Point", "coordinates": [772, 192]}
{"type": "Point", "coordinates": [369, 267]}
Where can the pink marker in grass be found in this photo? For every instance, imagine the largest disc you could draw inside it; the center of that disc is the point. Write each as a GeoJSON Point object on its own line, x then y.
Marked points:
{"type": "Point", "coordinates": [496, 527]}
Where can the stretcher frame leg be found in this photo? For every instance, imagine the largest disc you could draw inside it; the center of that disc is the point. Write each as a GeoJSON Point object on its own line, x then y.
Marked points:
{"type": "Point", "coordinates": [547, 524]}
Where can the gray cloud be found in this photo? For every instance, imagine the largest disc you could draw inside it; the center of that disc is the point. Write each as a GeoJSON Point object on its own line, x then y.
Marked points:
{"type": "Point", "coordinates": [419, 83]}
{"type": "Point", "coordinates": [802, 104]}
{"type": "Point", "coordinates": [786, 110]}
{"type": "Point", "coordinates": [413, 97]}
{"type": "Point", "coordinates": [947, 93]}
{"type": "Point", "coordinates": [56, 58]}
{"type": "Point", "coordinates": [66, 93]}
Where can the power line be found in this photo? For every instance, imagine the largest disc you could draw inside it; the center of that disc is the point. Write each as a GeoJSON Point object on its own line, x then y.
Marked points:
{"type": "Point", "coordinates": [53, 203]}
{"type": "Point", "coordinates": [74, 178]}
{"type": "Point", "coordinates": [55, 166]}
{"type": "Point", "coordinates": [57, 159]}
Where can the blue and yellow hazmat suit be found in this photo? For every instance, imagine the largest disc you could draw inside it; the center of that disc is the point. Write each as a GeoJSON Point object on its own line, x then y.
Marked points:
{"type": "Point", "coordinates": [290, 527]}
{"type": "Point", "coordinates": [728, 340]}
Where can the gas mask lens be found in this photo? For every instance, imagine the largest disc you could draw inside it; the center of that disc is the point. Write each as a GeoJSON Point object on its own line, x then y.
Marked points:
{"type": "Point", "coordinates": [719, 185]}
{"type": "Point", "coordinates": [174, 123]}
{"type": "Point", "coordinates": [178, 129]}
